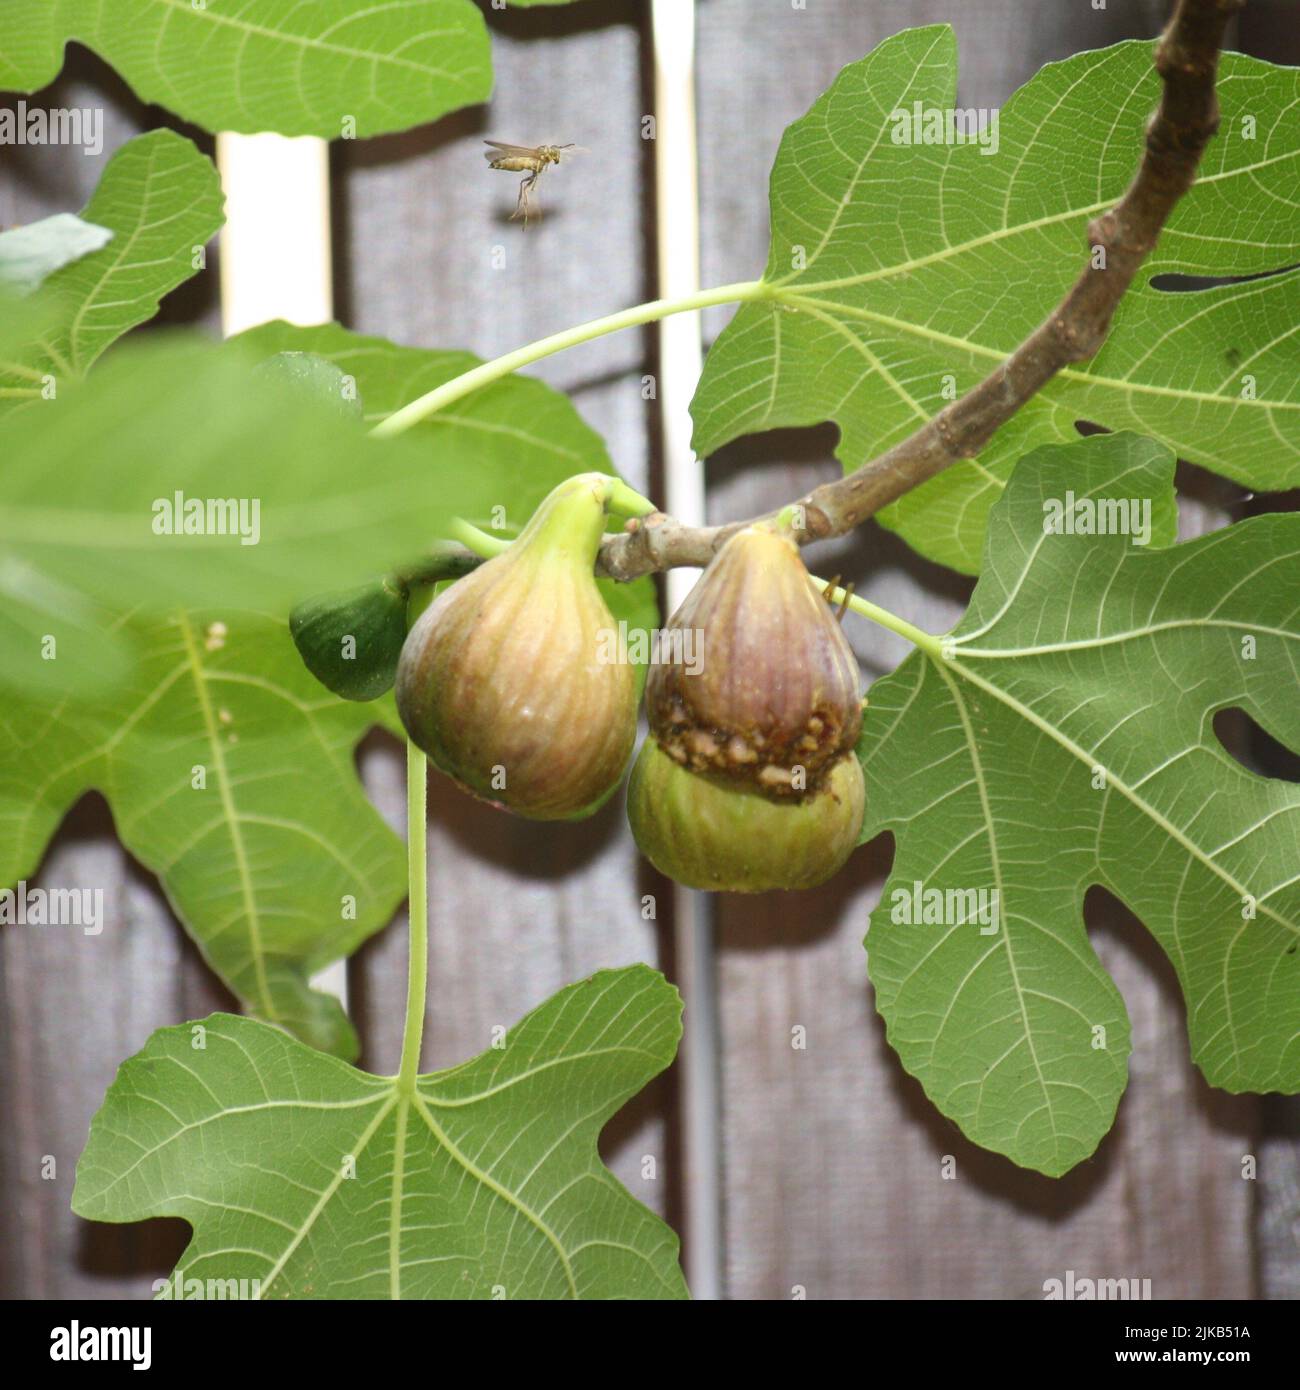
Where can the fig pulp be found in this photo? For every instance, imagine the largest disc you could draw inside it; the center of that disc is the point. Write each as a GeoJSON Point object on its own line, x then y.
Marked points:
{"type": "Point", "coordinates": [500, 680]}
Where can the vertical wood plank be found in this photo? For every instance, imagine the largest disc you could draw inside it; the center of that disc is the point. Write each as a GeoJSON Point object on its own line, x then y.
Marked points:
{"type": "Point", "coordinates": [1268, 28]}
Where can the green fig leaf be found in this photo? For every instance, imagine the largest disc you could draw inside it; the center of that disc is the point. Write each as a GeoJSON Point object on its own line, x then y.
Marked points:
{"type": "Point", "coordinates": [185, 478]}
{"type": "Point", "coordinates": [331, 68]}
{"type": "Point", "coordinates": [901, 274]}
{"type": "Point", "coordinates": [222, 760]}
{"type": "Point", "coordinates": [30, 254]}
{"type": "Point", "coordinates": [312, 378]}
{"type": "Point", "coordinates": [1059, 738]}
{"type": "Point", "coordinates": [305, 1178]}
{"type": "Point", "coordinates": [161, 201]}
{"type": "Point", "coordinates": [517, 430]}
{"type": "Point", "coordinates": [220, 688]}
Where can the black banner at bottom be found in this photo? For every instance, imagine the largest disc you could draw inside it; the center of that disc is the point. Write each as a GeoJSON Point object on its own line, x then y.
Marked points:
{"type": "Point", "coordinates": [220, 1337]}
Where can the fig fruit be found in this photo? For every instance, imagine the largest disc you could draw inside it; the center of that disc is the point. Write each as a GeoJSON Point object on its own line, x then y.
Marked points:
{"type": "Point", "coordinates": [705, 832]}
{"type": "Point", "coordinates": [351, 641]}
{"type": "Point", "coordinates": [769, 698]}
{"type": "Point", "coordinates": [501, 682]}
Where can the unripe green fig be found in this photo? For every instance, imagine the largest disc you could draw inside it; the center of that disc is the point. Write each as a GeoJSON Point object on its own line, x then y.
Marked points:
{"type": "Point", "coordinates": [351, 641]}
{"type": "Point", "coordinates": [707, 833]}
{"type": "Point", "coordinates": [762, 687]}
{"type": "Point", "coordinates": [501, 681]}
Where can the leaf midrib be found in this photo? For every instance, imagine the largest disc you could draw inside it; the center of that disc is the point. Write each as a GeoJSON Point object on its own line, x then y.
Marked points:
{"type": "Point", "coordinates": [402, 1102]}
{"type": "Point", "coordinates": [1001, 234]}
{"type": "Point", "coordinates": [396, 1099]}
{"type": "Point", "coordinates": [986, 811]}
{"type": "Point", "coordinates": [1140, 803]}
{"type": "Point", "coordinates": [308, 42]}
{"type": "Point", "coordinates": [1084, 378]}
{"type": "Point", "coordinates": [256, 948]}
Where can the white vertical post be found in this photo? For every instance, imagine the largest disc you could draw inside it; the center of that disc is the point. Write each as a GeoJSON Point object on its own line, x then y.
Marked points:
{"type": "Point", "coordinates": [681, 358]}
{"type": "Point", "coordinates": [275, 246]}
{"type": "Point", "coordinates": [276, 264]}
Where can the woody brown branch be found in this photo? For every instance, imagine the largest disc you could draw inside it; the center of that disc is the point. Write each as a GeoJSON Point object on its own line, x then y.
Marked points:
{"type": "Point", "coordinates": [1186, 59]}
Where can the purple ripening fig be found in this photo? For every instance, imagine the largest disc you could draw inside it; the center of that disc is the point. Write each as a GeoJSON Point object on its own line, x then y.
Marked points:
{"type": "Point", "coordinates": [772, 701]}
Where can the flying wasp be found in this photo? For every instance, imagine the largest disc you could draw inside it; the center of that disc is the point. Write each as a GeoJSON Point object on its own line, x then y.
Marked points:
{"type": "Point", "coordinates": [526, 159]}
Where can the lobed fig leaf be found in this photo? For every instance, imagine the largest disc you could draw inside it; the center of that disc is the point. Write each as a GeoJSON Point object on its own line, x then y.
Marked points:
{"type": "Point", "coordinates": [306, 1178]}
{"type": "Point", "coordinates": [1062, 737]}
{"type": "Point", "coordinates": [903, 269]}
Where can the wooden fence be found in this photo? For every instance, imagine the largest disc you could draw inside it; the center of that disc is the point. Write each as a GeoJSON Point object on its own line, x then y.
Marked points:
{"type": "Point", "coordinates": [830, 1156]}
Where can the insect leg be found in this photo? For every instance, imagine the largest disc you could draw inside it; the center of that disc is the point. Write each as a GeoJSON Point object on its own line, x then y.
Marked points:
{"type": "Point", "coordinates": [525, 188]}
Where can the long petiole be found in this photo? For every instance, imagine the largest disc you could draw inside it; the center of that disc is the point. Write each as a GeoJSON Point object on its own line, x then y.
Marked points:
{"type": "Point", "coordinates": [432, 401]}
{"type": "Point", "coordinates": [417, 979]}
{"type": "Point", "coordinates": [928, 642]}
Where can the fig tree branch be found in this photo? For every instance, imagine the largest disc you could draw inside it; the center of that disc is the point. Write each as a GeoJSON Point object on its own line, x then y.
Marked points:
{"type": "Point", "coordinates": [1186, 118]}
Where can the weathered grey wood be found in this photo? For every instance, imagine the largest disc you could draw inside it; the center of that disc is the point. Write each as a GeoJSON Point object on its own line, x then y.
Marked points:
{"type": "Point", "coordinates": [74, 1006]}
{"type": "Point", "coordinates": [832, 1153]}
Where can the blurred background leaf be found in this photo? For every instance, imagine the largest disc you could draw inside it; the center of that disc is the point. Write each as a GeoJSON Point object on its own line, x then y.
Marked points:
{"type": "Point", "coordinates": [161, 201]}
{"type": "Point", "coordinates": [271, 65]}
{"type": "Point", "coordinates": [28, 255]}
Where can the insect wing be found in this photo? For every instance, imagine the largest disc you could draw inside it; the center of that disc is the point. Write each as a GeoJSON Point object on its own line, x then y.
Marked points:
{"type": "Point", "coordinates": [509, 151]}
